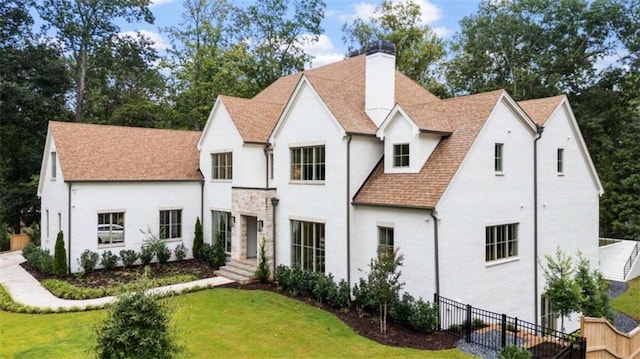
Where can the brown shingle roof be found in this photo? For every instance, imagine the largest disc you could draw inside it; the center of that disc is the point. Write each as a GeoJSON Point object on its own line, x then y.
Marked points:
{"type": "Point", "coordinates": [541, 109]}
{"type": "Point", "coordinates": [114, 153]}
{"type": "Point", "coordinates": [466, 116]}
{"type": "Point", "coordinates": [341, 85]}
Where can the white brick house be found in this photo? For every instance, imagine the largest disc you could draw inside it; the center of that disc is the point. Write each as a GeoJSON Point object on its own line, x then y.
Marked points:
{"type": "Point", "coordinates": [332, 164]}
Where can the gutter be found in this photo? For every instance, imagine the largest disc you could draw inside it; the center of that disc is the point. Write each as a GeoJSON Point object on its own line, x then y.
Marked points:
{"type": "Point", "coordinates": [539, 130]}
{"type": "Point", "coordinates": [348, 203]}
{"type": "Point", "coordinates": [434, 215]}
{"type": "Point", "coordinates": [266, 160]}
{"type": "Point", "coordinates": [202, 201]}
{"type": "Point", "coordinates": [274, 204]}
{"type": "Point", "coordinates": [69, 229]}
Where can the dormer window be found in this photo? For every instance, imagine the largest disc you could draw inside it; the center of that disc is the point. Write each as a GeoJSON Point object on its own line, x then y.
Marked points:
{"type": "Point", "coordinates": [401, 155]}
{"type": "Point", "coordinates": [498, 157]}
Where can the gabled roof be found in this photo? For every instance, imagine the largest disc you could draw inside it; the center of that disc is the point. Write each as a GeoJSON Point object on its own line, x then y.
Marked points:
{"type": "Point", "coordinates": [465, 116]}
{"type": "Point", "coordinates": [114, 153]}
{"type": "Point", "coordinates": [254, 119]}
{"type": "Point", "coordinates": [540, 110]}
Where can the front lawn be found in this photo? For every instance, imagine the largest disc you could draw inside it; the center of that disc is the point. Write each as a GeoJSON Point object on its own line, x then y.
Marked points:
{"type": "Point", "coordinates": [628, 302]}
{"type": "Point", "coordinates": [212, 323]}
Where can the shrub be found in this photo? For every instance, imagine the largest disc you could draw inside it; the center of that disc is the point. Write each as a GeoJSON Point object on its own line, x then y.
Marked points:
{"type": "Point", "coordinates": [146, 254]}
{"type": "Point", "coordinates": [5, 240]}
{"type": "Point", "coordinates": [197, 240]}
{"type": "Point", "coordinates": [137, 326]}
{"type": "Point", "coordinates": [263, 272]}
{"type": "Point", "coordinates": [323, 286]}
{"type": "Point", "coordinates": [128, 257]}
{"type": "Point", "coordinates": [163, 253]}
{"type": "Point", "coordinates": [109, 260]}
{"type": "Point", "coordinates": [514, 352]}
{"type": "Point", "coordinates": [401, 309]}
{"type": "Point", "coordinates": [424, 316]}
{"type": "Point", "coordinates": [207, 254]}
{"type": "Point", "coordinates": [363, 297]}
{"type": "Point", "coordinates": [60, 257]}
{"type": "Point", "coordinates": [181, 251]}
{"type": "Point", "coordinates": [219, 257]}
{"type": "Point", "coordinates": [88, 260]}
{"type": "Point", "coordinates": [39, 259]}
{"type": "Point", "coordinates": [283, 275]}
{"type": "Point", "coordinates": [34, 233]}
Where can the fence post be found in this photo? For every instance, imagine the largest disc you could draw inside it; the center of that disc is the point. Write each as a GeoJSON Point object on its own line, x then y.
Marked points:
{"type": "Point", "coordinates": [515, 332]}
{"type": "Point", "coordinates": [467, 323]}
{"type": "Point", "coordinates": [583, 347]}
{"type": "Point", "coordinates": [503, 341]}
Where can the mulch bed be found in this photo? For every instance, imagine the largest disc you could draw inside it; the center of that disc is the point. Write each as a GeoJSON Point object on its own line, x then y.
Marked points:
{"type": "Point", "coordinates": [101, 278]}
{"type": "Point", "coordinates": [367, 325]}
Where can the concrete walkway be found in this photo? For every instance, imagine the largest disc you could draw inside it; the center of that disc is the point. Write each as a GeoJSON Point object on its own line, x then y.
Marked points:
{"type": "Point", "coordinates": [26, 290]}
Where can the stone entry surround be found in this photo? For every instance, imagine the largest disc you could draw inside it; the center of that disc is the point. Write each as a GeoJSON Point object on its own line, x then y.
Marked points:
{"type": "Point", "coordinates": [254, 202]}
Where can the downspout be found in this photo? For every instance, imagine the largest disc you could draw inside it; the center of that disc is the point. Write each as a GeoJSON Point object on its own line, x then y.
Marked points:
{"type": "Point", "coordinates": [69, 229]}
{"type": "Point", "coordinates": [202, 201]}
{"type": "Point", "coordinates": [266, 160]}
{"type": "Point", "coordinates": [434, 215]}
{"type": "Point", "coordinates": [348, 202]}
{"type": "Point", "coordinates": [274, 204]}
{"type": "Point", "coordinates": [539, 130]}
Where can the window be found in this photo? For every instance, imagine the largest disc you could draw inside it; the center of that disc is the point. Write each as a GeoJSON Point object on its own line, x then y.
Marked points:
{"type": "Point", "coordinates": [47, 224]}
{"type": "Point", "coordinates": [497, 166]}
{"type": "Point", "coordinates": [307, 163]}
{"type": "Point", "coordinates": [501, 242]}
{"type": "Point", "coordinates": [401, 155]}
{"type": "Point", "coordinates": [222, 166]}
{"type": "Point", "coordinates": [549, 319]}
{"type": "Point", "coordinates": [385, 241]}
{"type": "Point", "coordinates": [560, 160]}
{"type": "Point", "coordinates": [171, 224]}
{"type": "Point", "coordinates": [53, 165]}
{"type": "Point", "coordinates": [307, 242]}
{"type": "Point", "coordinates": [222, 228]}
{"type": "Point", "coordinates": [59, 221]}
{"type": "Point", "coordinates": [111, 228]}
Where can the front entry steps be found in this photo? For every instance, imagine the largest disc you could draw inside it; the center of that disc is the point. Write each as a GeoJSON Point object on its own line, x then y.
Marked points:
{"type": "Point", "coordinates": [240, 270]}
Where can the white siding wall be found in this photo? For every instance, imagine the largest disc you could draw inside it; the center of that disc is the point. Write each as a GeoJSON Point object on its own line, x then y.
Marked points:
{"type": "Point", "coordinates": [249, 166]}
{"type": "Point", "coordinates": [309, 123]}
{"type": "Point", "coordinates": [413, 237]}
{"type": "Point", "coordinates": [55, 201]}
{"type": "Point", "coordinates": [568, 203]}
{"type": "Point", "coordinates": [478, 198]}
{"type": "Point", "coordinates": [366, 152]}
{"type": "Point", "coordinates": [421, 145]}
{"type": "Point", "coordinates": [141, 202]}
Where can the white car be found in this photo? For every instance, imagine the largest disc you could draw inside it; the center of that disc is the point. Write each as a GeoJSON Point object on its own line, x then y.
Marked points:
{"type": "Point", "coordinates": [110, 233]}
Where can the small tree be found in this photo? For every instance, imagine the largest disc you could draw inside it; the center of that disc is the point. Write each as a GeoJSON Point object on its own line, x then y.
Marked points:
{"type": "Point", "coordinates": [384, 283]}
{"type": "Point", "coordinates": [561, 289]}
{"type": "Point", "coordinates": [219, 256]}
{"type": "Point", "coordinates": [595, 299]}
{"type": "Point", "coordinates": [137, 326]}
{"type": "Point", "coordinates": [60, 257]}
{"type": "Point", "coordinates": [197, 240]}
{"type": "Point", "coordinates": [263, 272]}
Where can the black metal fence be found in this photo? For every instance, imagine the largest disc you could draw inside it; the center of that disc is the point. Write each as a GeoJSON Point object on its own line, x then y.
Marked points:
{"type": "Point", "coordinates": [495, 331]}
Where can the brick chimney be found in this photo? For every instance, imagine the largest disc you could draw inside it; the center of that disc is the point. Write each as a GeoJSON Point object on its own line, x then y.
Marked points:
{"type": "Point", "coordinates": [380, 80]}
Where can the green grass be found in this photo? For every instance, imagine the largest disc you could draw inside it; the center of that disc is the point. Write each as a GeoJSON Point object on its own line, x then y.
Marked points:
{"type": "Point", "coordinates": [628, 302]}
{"type": "Point", "coordinates": [211, 323]}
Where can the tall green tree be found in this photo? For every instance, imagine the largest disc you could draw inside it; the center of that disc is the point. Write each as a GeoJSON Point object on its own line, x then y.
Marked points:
{"type": "Point", "coordinates": [418, 48]}
{"type": "Point", "coordinates": [34, 82]}
{"type": "Point", "coordinates": [275, 32]}
{"type": "Point", "coordinates": [81, 26]}
{"type": "Point", "coordinates": [595, 296]}
{"type": "Point", "coordinates": [384, 283]}
{"type": "Point", "coordinates": [561, 289]}
{"type": "Point", "coordinates": [531, 48]}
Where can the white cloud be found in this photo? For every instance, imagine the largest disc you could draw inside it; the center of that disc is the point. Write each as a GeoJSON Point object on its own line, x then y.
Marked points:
{"type": "Point", "coordinates": [156, 3]}
{"type": "Point", "coordinates": [159, 42]}
{"type": "Point", "coordinates": [442, 31]}
{"type": "Point", "coordinates": [323, 50]}
{"type": "Point", "coordinates": [429, 12]}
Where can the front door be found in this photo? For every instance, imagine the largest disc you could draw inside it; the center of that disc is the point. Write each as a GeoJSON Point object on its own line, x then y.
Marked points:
{"type": "Point", "coordinates": [252, 237]}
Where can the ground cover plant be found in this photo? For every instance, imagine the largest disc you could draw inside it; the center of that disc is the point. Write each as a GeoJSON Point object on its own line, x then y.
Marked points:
{"type": "Point", "coordinates": [627, 302]}
{"type": "Point", "coordinates": [245, 324]}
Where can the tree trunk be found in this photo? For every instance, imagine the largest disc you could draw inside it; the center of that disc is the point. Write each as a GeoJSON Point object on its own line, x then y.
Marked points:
{"type": "Point", "coordinates": [80, 84]}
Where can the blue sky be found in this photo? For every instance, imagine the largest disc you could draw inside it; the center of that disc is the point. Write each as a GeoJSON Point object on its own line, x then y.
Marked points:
{"type": "Point", "coordinates": [441, 15]}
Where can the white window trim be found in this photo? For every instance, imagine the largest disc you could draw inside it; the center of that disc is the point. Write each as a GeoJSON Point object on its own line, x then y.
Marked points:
{"type": "Point", "coordinates": [177, 239]}
{"type": "Point", "coordinates": [393, 149]}
{"type": "Point", "coordinates": [124, 239]}
{"type": "Point", "coordinates": [507, 259]}
{"type": "Point", "coordinates": [560, 161]}
{"type": "Point", "coordinates": [54, 167]}
{"type": "Point", "coordinates": [307, 181]}
{"type": "Point", "coordinates": [499, 172]}
{"type": "Point", "coordinates": [220, 152]}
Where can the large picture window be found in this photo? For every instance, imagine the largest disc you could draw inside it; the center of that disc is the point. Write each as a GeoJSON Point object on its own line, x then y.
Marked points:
{"type": "Point", "coordinates": [222, 166]}
{"type": "Point", "coordinates": [307, 163]}
{"type": "Point", "coordinates": [501, 242]}
{"type": "Point", "coordinates": [171, 224]}
{"type": "Point", "coordinates": [307, 245]}
{"type": "Point", "coordinates": [222, 228]}
{"type": "Point", "coordinates": [110, 227]}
